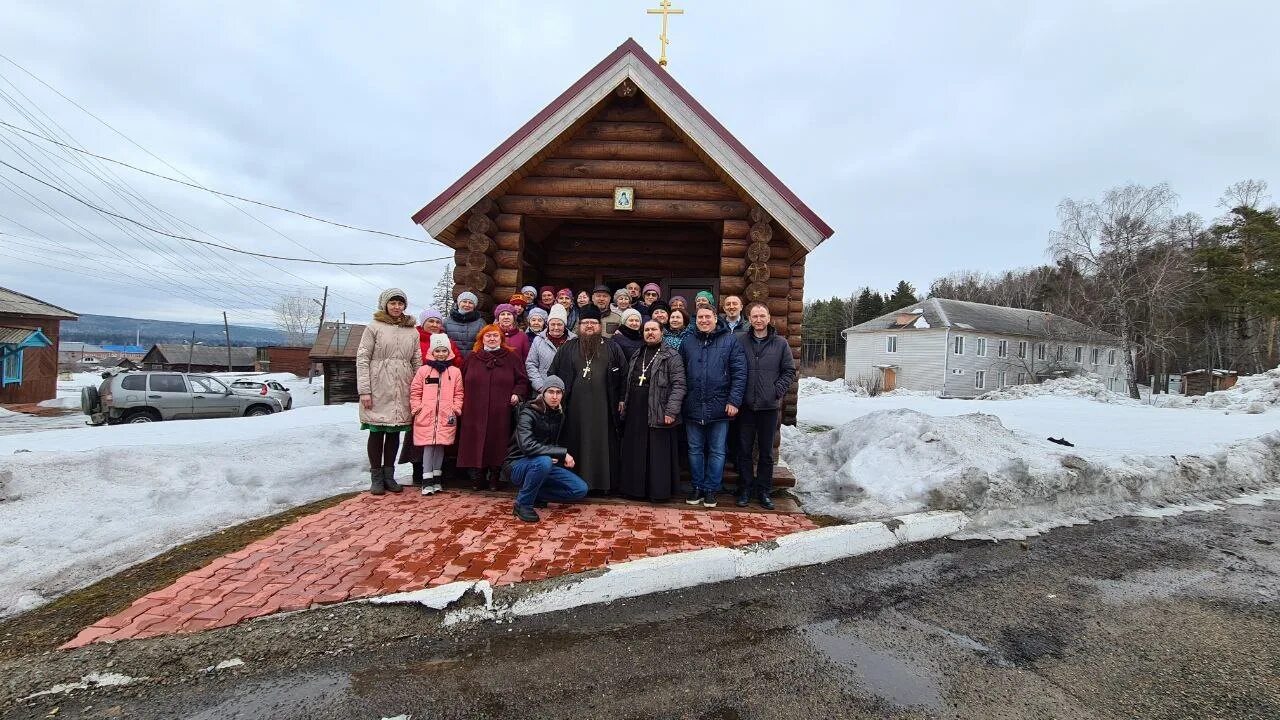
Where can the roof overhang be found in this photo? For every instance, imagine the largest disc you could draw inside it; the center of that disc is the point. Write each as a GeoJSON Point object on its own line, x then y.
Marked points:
{"type": "Point", "coordinates": [14, 339]}
{"type": "Point", "coordinates": [628, 62]}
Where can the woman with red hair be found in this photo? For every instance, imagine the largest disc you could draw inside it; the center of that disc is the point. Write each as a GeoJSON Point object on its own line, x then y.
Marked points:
{"type": "Point", "coordinates": [493, 381]}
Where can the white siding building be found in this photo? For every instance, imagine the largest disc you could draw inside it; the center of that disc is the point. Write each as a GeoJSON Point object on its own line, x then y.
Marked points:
{"type": "Point", "coordinates": [964, 349]}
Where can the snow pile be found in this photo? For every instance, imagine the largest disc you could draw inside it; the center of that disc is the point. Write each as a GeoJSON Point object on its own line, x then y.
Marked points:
{"type": "Point", "coordinates": [80, 504]}
{"type": "Point", "coordinates": [896, 461]}
{"type": "Point", "coordinates": [1079, 386]}
{"type": "Point", "coordinates": [810, 386]}
{"type": "Point", "coordinates": [64, 402]}
{"type": "Point", "coordinates": [1251, 394]}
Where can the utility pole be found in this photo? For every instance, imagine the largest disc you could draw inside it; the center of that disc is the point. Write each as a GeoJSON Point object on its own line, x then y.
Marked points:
{"type": "Point", "coordinates": [191, 349]}
{"type": "Point", "coordinates": [227, 330]}
{"type": "Point", "coordinates": [311, 367]}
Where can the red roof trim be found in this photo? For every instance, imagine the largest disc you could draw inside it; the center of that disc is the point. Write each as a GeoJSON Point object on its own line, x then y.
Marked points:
{"type": "Point", "coordinates": [629, 47]}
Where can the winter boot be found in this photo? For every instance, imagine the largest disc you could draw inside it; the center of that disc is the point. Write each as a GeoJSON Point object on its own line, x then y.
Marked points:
{"type": "Point", "coordinates": [389, 479]}
{"type": "Point", "coordinates": [525, 513]}
{"type": "Point", "coordinates": [766, 502]}
{"type": "Point", "coordinates": [492, 474]}
{"type": "Point", "coordinates": [417, 475]}
{"type": "Point", "coordinates": [476, 476]}
{"type": "Point", "coordinates": [375, 482]}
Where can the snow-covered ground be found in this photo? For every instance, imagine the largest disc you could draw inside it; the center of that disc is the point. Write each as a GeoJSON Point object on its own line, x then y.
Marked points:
{"type": "Point", "coordinates": [79, 504]}
{"type": "Point", "coordinates": [857, 457]}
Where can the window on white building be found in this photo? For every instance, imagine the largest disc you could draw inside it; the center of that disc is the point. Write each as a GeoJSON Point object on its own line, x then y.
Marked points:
{"type": "Point", "coordinates": [1022, 349]}
{"type": "Point", "coordinates": [982, 347]}
{"type": "Point", "coordinates": [1022, 378]}
{"type": "Point", "coordinates": [1002, 377]}
{"type": "Point", "coordinates": [1040, 351]}
{"type": "Point", "coordinates": [957, 346]}
{"type": "Point", "coordinates": [980, 379]}
{"type": "Point", "coordinates": [1002, 348]}
{"type": "Point", "coordinates": [1059, 355]}
{"type": "Point", "coordinates": [891, 344]}
{"type": "Point", "coordinates": [1095, 355]}
{"type": "Point", "coordinates": [1111, 357]}
{"type": "Point", "coordinates": [1079, 353]}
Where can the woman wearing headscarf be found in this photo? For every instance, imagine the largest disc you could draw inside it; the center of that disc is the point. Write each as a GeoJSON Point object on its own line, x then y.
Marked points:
{"type": "Point", "coordinates": [651, 416]}
{"type": "Point", "coordinates": [521, 304]}
{"type": "Point", "coordinates": [677, 328]}
{"type": "Point", "coordinates": [386, 360]}
{"type": "Point", "coordinates": [505, 315]}
{"type": "Point", "coordinates": [464, 323]}
{"type": "Point", "coordinates": [544, 347]}
{"type": "Point", "coordinates": [546, 298]}
{"type": "Point", "coordinates": [494, 381]}
{"type": "Point", "coordinates": [678, 302]}
{"type": "Point", "coordinates": [627, 336]}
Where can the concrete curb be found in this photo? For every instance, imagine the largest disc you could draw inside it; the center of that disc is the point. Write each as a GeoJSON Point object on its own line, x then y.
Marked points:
{"type": "Point", "coordinates": [682, 570]}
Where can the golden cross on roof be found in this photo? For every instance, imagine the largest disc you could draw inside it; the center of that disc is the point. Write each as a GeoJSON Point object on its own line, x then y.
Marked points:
{"type": "Point", "coordinates": [664, 9]}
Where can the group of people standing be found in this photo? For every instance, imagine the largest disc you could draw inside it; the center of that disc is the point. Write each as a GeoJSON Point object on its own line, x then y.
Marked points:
{"type": "Point", "coordinates": [565, 393]}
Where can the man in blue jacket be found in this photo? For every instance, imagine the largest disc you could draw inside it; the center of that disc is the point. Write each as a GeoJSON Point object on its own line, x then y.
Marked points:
{"type": "Point", "coordinates": [716, 374]}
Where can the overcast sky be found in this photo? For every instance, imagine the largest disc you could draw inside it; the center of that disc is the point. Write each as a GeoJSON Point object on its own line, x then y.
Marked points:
{"type": "Point", "coordinates": [933, 137]}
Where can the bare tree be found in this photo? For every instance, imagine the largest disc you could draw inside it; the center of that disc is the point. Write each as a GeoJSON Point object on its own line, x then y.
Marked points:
{"type": "Point", "coordinates": [442, 293]}
{"type": "Point", "coordinates": [1246, 193]}
{"type": "Point", "coordinates": [296, 316]}
{"type": "Point", "coordinates": [1123, 244]}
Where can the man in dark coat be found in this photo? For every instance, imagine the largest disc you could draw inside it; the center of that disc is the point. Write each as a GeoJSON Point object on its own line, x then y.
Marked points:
{"type": "Point", "coordinates": [716, 375]}
{"type": "Point", "coordinates": [770, 372]}
{"type": "Point", "coordinates": [594, 372]}
{"type": "Point", "coordinates": [540, 468]}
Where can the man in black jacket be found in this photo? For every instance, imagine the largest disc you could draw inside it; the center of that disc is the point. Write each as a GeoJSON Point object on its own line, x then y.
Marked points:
{"type": "Point", "coordinates": [770, 372]}
{"type": "Point", "coordinates": [538, 465]}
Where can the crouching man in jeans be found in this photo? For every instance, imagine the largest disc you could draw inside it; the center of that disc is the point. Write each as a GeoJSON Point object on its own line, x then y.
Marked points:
{"type": "Point", "coordinates": [538, 465]}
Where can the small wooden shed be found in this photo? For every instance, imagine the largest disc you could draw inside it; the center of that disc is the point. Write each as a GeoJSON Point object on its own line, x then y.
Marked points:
{"type": "Point", "coordinates": [626, 177]}
{"type": "Point", "coordinates": [1201, 382]}
{"type": "Point", "coordinates": [335, 350]}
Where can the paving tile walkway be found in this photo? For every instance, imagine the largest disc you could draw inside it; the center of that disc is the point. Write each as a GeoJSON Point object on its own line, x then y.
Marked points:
{"type": "Point", "coordinates": [368, 546]}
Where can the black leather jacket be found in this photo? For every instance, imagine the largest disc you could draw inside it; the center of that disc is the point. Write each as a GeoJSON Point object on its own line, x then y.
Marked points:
{"type": "Point", "coordinates": [536, 433]}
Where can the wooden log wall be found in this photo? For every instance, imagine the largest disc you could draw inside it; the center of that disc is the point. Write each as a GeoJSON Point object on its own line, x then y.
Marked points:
{"type": "Point", "coordinates": [475, 254]}
{"type": "Point", "coordinates": [795, 321]}
{"type": "Point", "coordinates": [509, 256]}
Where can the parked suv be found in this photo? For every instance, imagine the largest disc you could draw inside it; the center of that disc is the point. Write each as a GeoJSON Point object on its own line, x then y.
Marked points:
{"type": "Point", "coordinates": [150, 396]}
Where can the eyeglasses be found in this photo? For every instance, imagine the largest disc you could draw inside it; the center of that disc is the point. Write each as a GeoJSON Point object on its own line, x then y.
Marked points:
{"type": "Point", "coordinates": [651, 293]}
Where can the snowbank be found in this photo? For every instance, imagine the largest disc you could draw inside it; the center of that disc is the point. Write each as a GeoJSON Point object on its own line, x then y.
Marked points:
{"type": "Point", "coordinates": [64, 402]}
{"type": "Point", "coordinates": [810, 386]}
{"type": "Point", "coordinates": [1251, 394]}
{"type": "Point", "coordinates": [80, 504]}
{"type": "Point", "coordinates": [899, 460]}
{"type": "Point", "coordinates": [1080, 386]}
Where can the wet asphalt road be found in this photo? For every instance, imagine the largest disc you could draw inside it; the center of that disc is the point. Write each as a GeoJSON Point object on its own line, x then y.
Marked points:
{"type": "Point", "coordinates": [1173, 618]}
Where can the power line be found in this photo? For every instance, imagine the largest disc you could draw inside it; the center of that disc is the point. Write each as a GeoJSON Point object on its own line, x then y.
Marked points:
{"type": "Point", "coordinates": [220, 246]}
{"type": "Point", "coordinates": [133, 142]}
{"type": "Point", "coordinates": [233, 196]}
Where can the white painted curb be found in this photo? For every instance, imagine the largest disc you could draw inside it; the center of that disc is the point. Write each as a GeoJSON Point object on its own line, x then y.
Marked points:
{"type": "Point", "coordinates": [681, 570]}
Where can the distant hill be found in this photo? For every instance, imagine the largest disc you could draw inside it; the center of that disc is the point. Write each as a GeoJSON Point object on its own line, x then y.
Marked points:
{"type": "Point", "coordinates": [112, 330]}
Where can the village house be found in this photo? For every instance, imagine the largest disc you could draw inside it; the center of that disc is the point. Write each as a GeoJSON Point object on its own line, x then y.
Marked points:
{"type": "Point", "coordinates": [29, 331]}
{"type": "Point", "coordinates": [626, 177]}
{"type": "Point", "coordinates": [964, 349]}
{"type": "Point", "coordinates": [200, 358]}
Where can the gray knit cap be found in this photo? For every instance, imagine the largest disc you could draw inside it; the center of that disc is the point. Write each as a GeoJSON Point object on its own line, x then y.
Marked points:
{"type": "Point", "coordinates": [552, 382]}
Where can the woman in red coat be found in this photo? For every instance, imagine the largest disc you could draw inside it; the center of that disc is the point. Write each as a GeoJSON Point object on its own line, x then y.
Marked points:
{"type": "Point", "coordinates": [493, 381]}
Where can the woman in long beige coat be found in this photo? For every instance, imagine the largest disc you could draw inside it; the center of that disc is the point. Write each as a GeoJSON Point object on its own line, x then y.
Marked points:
{"type": "Point", "coordinates": [386, 361]}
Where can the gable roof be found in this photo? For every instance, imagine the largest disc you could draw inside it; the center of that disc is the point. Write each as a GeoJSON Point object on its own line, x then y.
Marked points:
{"type": "Point", "coordinates": [628, 61]}
{"type": "Point", "coordinates": [994, 319]}
{"type": "Point", "coordinates": [337, 340]}
{"type": "Point", "coordinates": [15, 303]}
{"type": "Point", "coordinates": [176, 354]}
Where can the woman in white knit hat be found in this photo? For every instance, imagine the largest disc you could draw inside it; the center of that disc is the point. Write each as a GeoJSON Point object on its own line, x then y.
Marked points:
{"type": "Point", "coordinates": [544, 347]}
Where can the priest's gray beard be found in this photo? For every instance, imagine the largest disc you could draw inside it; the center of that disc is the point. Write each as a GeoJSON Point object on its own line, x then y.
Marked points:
{"type": "Point", "coordinates": [589, 345]}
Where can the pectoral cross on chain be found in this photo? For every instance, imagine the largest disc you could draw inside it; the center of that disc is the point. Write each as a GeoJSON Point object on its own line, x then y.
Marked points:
{"type": "Point", "coordinates": [643, 378]}
{"type": "Point", "coordinates": [586, 371]}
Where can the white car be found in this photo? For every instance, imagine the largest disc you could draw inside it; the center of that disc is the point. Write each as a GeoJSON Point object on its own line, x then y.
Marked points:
{"type": "Point", "coordinates": [266, 388]}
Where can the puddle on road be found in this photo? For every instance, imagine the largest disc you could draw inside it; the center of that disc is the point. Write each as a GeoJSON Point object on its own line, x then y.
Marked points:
{"type": "Point", "coordinates": [879, 671]}
{"type": "Point", "coordinates": [278, 698]}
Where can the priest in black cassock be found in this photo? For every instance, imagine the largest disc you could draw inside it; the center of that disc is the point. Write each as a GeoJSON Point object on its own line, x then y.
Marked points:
{"type": "Point", "coordinates": [594, 372]}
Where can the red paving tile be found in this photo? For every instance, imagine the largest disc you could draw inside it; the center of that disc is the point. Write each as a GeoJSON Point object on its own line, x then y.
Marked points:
{"type": "Point", "coordinates": [368, 546]}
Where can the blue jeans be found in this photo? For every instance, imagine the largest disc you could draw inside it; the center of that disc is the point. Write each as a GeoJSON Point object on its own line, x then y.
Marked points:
{"type": "Point", "coordinates": [539, 479]}
{"type": "Point", "coordinates": [706, 454]}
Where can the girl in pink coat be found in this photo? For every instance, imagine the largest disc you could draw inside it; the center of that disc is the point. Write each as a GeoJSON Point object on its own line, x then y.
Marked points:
{"type": "Point", "coordinates": [435, 397]}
